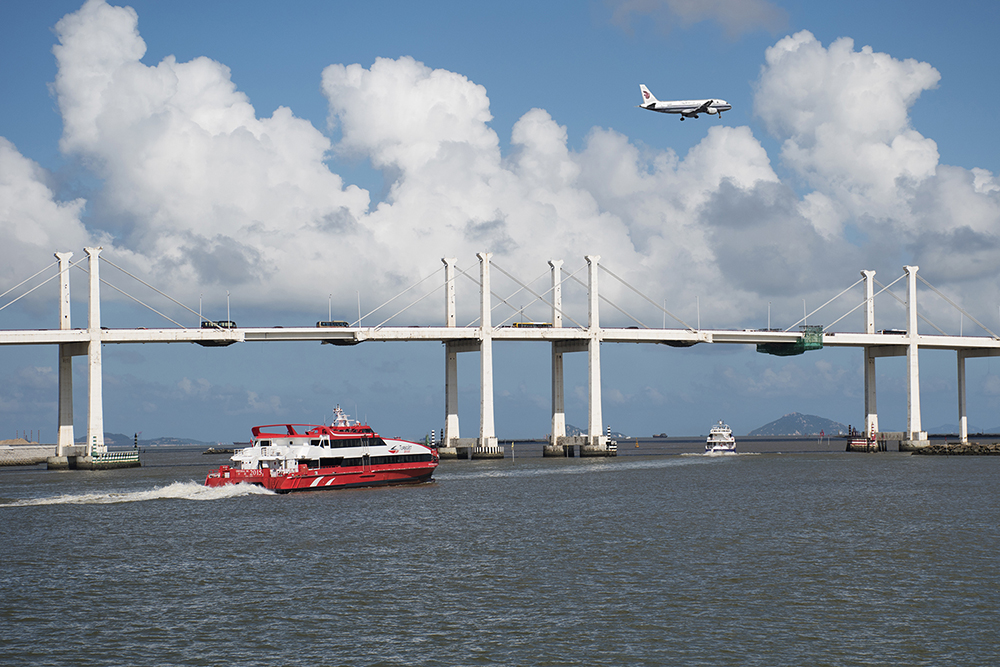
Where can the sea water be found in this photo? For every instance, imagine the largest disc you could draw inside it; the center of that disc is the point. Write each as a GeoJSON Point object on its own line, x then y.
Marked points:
{"type": "Point", "coordinates": [807, 558]}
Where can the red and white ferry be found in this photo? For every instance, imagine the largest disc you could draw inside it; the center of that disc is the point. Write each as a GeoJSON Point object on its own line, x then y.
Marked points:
{"type": "Point", "coordinates": [305, 457]}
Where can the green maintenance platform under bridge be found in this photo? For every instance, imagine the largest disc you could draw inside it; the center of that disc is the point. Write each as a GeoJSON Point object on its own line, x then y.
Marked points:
{"type": "Point", "coordinates": [812, 339]}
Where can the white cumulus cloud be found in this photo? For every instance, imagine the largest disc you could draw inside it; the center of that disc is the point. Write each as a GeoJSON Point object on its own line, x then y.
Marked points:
{"type": "Point", "coordinates": [32, 221]}
{"type": "Point", "coordinates": [843, 117]}
{"type": "Point", "coordinates": [199, 192]}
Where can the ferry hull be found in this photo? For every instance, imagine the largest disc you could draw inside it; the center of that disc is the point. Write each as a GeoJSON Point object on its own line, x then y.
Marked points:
{"type": "Point", "coordinates": [310, 457]}
{"type": "Point", "coordinates": [319, 479]}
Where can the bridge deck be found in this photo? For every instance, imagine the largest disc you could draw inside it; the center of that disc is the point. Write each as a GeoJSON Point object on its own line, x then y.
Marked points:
{"type": "Point", "coordinates": [972, 344]}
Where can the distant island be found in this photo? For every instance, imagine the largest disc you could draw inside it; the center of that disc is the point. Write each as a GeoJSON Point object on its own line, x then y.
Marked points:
{"type": "Point", "coordinates": [797, 423]}
{"type": "Point", "coordinates": [122, 440]}
{"type": "Point", "coordinates": [576, 431]}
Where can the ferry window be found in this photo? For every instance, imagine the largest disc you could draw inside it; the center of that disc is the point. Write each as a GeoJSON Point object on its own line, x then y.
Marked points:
{"type": "Point", "coordinates": [314, 443]}
{"type": "Point", "coordinates": [348, 442]}
{"type": "Point", "coordinates": [401, 458]}
{"type": "Point", "coordinates": [312, 463]}
{"type": "Point", "coordinates": [264, 443]}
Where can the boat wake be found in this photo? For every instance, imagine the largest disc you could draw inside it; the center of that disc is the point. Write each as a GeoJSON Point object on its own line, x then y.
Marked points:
{"type": "Point", "coordinates": [175, 491]}
{"type": "Point", "coordinates": [596, 465]}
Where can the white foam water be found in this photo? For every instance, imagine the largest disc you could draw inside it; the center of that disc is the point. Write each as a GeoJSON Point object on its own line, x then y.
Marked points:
{"type": "Point", "coordinates": [176, 491]}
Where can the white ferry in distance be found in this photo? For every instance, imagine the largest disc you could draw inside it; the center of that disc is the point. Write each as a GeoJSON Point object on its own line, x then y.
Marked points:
{"type": "Point", "coordinates": [720, 439]}
{"type": "Point", "coordinates": [305, 457]}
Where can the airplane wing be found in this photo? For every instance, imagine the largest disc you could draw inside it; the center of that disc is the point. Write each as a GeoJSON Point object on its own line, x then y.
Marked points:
{"type": "Point", "coordinates": [704, 108]}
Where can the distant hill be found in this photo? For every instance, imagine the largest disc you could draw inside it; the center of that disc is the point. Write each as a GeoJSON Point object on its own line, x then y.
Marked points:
{"type": "Point", "coordinates": [576, 430]}
{"type": "Point", "coordinates": [797, 423]}
{"type": "Point", "coordinates": [122, 440]}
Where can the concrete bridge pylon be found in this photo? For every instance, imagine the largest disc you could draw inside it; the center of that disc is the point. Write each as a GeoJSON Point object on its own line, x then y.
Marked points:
{"type": "Point", "coordinates": [95, 393]}
{"type": "Point", "coordinates": [557, 445]}
{"type": "Point", "coordinates": [595, 443]}
{"type": "Point", "coordinates": [67, 452]}
{"type": "Point", "coordinates": [66, 436]}
{"type": "Point", "coordinates": [578, 338]}
{"type": "Point", "coordinates": [485, 446]}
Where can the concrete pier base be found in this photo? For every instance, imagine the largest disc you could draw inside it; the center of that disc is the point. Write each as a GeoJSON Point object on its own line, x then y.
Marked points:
{"type": "Point", "coordinates": [566, 445]}
{"type": "Point", "coordinates": [562, 451]}
{"type": "Point", "coordinates": [903, 440]}
{"type": "Point", "coordinates": [458, 448]}
{"type": "Point", "coordinates": [488, 448]}
{"type": "Point", "coordinates": [63, 462]}
{"type": "Point", "coordinates": [598, 446]}
{"type": "Point", "coordinates": [57, 463]}
{"type": "Point", "coordinates": [98, 461]}
{"type": "Point", "coordinates": [598, 450]}
{"type": "Point", "coordinates": [911, 445]}
{"type": "Point", "coordinates": [488, 452]}
{"type": "Point", "coordinates": [107, 461]}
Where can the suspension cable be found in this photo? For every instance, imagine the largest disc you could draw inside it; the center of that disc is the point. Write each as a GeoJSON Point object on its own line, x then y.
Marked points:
{"type": "Point", "coordinates": [134, 277]}
{"type": "Point", "coordinates": [920, 315]}
{"type": "Point", "coordinates": [386, 303]}
{"type": "Point", "coordinates": [863, 302]}
{"type": "Point", "coordinates": [524, 287]}
{"type": "Point", "coordinates": [121, 291]}
{"type": "Point", "coordinates": [27, 279]}
{"type": "Point", "coordinates": [955, 305]}
{"type": "Point", "coordinates": [806, 317]}
{"type": "Point", "coordinates": [407, 307]}
{"type": "Point", "coordinates": [538, 297]}
{"type": "Point", "coordinates": [44, 282]}
{"type": "Point", "coordinates": [619, 309]}
{"type": "Point", "coordinates": [503, 300]}
{"type": "Point", "coordinates": [622, 281]}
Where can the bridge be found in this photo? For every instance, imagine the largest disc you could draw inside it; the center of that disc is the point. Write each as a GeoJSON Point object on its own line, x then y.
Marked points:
{"type": "Point", "coordinates": [457, 339]}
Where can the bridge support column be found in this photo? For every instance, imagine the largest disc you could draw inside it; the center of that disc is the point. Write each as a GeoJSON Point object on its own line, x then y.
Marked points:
{"type": "Point", "coordinates": [871, 409]}
{"type": "Point", "coordinates": [963, 420]}
{"type": "Point", "coordinates": [597, 443]}
{"type": "Point", "coordinates": [449, 441]}
{"type": "Point", "coordinates": [558, 407]}
{"type": "Point", "coordinates": [95, 402]}
{"type": "Point", "coordinates": [963, 354]}
{"type": "Point", "coordinates": [448, 448]}
{"type": "Point", "coordinates": [65, 445]}
{"type": "Point", "coordinates": [871, 406]}
{"type": "Point", "coordinates": [66, 436]}
{"type": "Point", "coordinates": [915, 438]}
{"type": "Point", "coordinates": [487, 448]}
{"type": "Point", "coordinates": [556, 445]}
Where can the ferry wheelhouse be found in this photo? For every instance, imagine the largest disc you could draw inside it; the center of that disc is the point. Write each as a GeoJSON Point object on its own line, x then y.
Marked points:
{"type": "Point", "coordinates": [305, 457]}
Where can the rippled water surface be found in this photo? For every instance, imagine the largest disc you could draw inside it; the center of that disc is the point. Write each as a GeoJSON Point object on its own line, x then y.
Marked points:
{"type": "Point", "coordinates": [766, 559]}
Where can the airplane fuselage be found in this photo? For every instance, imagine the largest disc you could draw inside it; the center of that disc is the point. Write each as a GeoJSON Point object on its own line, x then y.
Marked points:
{"type": "Point", "coordinates": [689, 107]}
{"type": "Point", "coordinates": [685, 108]}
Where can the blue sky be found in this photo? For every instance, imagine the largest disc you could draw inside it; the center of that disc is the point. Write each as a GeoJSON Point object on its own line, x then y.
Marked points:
{"type": "Point", "coordinates": [286, 153]}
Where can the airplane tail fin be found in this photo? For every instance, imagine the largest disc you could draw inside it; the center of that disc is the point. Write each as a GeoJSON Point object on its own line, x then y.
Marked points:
{"type": "Point", "coordinates": [647, 97]}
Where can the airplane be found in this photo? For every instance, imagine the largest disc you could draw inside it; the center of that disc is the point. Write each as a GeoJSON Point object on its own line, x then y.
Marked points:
{"type": "Point", "coordinates": [686, 108]}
